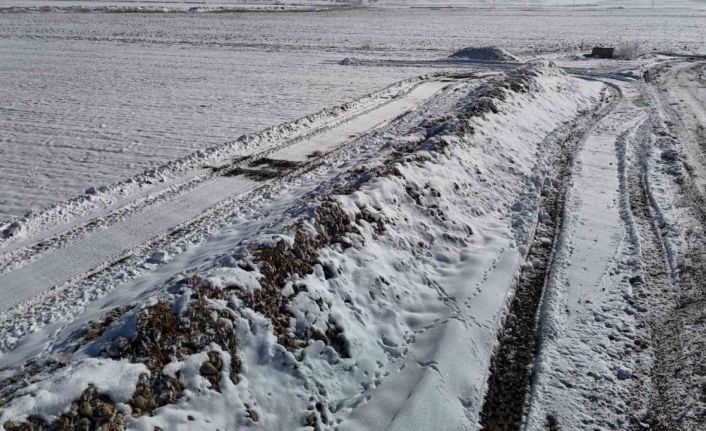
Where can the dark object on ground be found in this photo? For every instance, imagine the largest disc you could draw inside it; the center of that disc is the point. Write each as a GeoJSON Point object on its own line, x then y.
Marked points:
{"type": "Point", "coordinates": [599, 52]}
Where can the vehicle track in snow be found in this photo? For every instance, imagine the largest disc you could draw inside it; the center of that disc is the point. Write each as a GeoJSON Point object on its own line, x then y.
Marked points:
{"type": "Point", "coordinates": [506, 399]}
{"type": "Point", "coordinates": [14, 254]}
{"type": "Point", "coordinates": [671, 394]}
{"type": "Point", "coordinates": [199, 178]}
{"type": "Point", "coordinates": [654, 287]}
{"type": "Point", "coordinates": [678, 89]}
{"type": "Point", "coordinates": [89, 284]}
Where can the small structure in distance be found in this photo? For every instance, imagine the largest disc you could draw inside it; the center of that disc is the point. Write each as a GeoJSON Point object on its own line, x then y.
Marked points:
{"type": "Point", "coordinates": [602, 52]}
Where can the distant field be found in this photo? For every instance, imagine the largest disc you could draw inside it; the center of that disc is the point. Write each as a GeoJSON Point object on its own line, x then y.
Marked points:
{"type": "Point", "coordinates": [88, 99]}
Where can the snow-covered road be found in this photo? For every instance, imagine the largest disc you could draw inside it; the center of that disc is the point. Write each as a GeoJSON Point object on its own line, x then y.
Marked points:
{"type": "Point", "coordinates": [586, 318]}
{"type": "Point", "coordinates": [104, 246]}
{"type": "Point", "coordinates": [331, 139]}
{"type": "Point", "coordinates": [681, 92]}
{"type": "Point", "coordinates": [620, 332]}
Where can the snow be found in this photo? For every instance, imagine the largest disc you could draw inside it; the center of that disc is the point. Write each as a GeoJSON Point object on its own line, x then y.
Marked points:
{"type": "Point", "coordinates": [587, 319]}
{"type": "Point", "coordinates": [160, 256]}
{"type": "Point", "coordinates": [327, 141]}
{"type": "Point", "coordinates": [71, 125]}
{"type": "Point", "coordinates": [108, 244]}
{"type": "Point", "coordinates": [181, 82]}
{"type": "Point", "coordinates": [183, 174]}
{"type": "Point", "coordinates": [408, 366]}
{"type": "Point", "coordinates": [110, 6]}
{"type": "Point", "coordinates": [420, 303]}
{"type": "Point", "coordinates": [51, 397]}
{"type": "Point", "coordinates": [229, 277]}
{"type": "Point", "coordinates": [449, 394]}
{"type": "Point", "coordinates": [441, 381]}
{"type": "Point", "coordinates": [592, 370]}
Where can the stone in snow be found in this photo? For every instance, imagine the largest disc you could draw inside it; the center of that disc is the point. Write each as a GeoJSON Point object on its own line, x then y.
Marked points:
{"type": "Point", "coordinates": [624, 374]}
{"type": "Point", "coordinates": [159, 257]}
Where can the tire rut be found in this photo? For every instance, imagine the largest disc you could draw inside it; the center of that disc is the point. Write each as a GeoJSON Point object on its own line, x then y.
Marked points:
{"type": "Point", "coordinates": [663, 330]}
{"type": "Point", "coordinates": [506, 399]}
{"type": "Point", "coordinates": [10, 259]}
{"type": "Point", "coordinates": [670, 393]}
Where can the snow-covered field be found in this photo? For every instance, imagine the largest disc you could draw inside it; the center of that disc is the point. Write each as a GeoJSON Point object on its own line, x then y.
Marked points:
{"type": "Point", "coordinates": [81, 113]}
{"type": "Point", "coordinates": [511, 240]}
{"type": "Point", "coordinates": [89, 98]}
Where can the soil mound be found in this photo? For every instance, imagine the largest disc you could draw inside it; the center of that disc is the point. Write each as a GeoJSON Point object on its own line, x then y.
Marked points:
{"type": "Point", "coordinates": [487, 53]}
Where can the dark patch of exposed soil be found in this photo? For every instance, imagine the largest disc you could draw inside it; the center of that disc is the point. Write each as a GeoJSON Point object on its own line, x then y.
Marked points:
{"type": "Point", "coordinates": [161, 336]}
{"type": "Point", "coordinates": [510, 369]}
{"type": "Point", "coordinates": [275, 163]}
{"type": "Point", "coordinates": [261, 169]}
{"type": "Point", "coordinates": [211, 370]}
{"type": "Point", "coordinates": [94, 329]}
{"type": "Point", "coordinates": [552, 423]}
{"type": "Point", "coordinates": [253, 174]}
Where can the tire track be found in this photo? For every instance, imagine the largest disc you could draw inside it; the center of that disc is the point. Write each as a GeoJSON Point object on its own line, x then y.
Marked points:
{"type": "Point", "coordinates": [660, 332]}
{"type": "Point", "coordinates": [506, 399]}
{"type": "Point", "coordinates": [192, 182]}
{"type": "Point", "coordinates": [671, 393]}
{"type": "Point", "coordinates": [192, 177]}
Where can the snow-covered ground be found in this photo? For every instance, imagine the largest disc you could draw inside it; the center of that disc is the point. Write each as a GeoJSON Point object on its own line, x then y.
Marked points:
{"type": "Point", "coordinates": [89, 99]}
{"type": "Point", "coordinates": [83, 6]}
{"type": "Point", "coordinates": [479, 245]}
{"type": "Point", "coordinates": [89, 113]}
{"type": "Point", "coordinates": [414, 256]}
{"type": "Point", "coordinates": [113, 241]}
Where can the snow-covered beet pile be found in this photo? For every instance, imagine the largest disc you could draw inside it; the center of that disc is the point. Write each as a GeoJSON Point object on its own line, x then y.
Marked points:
{"type": "Point", "coordinates": [374, 306]}
{"type": "Point", "coordinates": [486, 53]}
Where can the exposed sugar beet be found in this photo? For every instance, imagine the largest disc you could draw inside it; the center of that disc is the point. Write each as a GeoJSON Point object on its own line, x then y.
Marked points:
{"type": "Point", "coordinates": [280, 262]}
